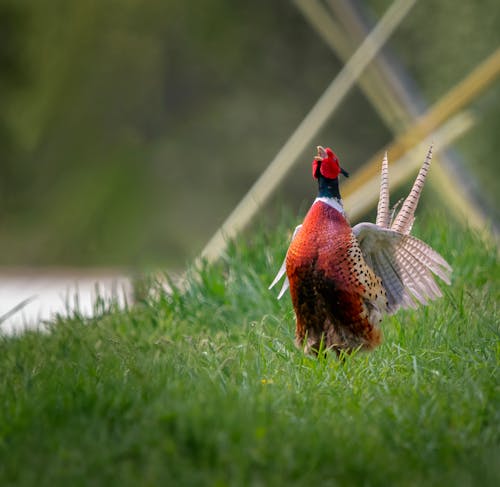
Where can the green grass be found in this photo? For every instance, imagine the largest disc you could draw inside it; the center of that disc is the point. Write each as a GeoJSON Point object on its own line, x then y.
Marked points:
{"type": "Point", "coordinates": [207, 388]}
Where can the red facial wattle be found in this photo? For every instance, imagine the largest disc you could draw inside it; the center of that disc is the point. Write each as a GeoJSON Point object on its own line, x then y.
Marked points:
{"type": "Point", "coordinates": [329, 166]}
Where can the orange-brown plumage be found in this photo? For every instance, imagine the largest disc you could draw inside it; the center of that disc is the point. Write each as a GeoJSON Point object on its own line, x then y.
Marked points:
{"type": "Point", "coordinates": [328, 283]}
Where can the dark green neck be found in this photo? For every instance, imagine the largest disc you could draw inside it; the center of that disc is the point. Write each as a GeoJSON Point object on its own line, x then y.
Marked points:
{"type": "Point", "coordinates": [328, 188]}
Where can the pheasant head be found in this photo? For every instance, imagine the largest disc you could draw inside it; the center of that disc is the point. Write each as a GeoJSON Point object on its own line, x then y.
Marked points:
{"type": "Point", "coordinates": [326, 169]}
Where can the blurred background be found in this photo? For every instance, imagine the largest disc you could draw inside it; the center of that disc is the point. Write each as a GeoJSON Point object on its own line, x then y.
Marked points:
{"type": "Point", "coordinates": [130, 129]}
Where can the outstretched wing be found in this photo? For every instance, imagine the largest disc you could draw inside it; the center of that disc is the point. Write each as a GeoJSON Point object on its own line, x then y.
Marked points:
{"type": "Point", "coordinates": [282, 270]}
{"type": "Point", "coordinates": [405, 264]}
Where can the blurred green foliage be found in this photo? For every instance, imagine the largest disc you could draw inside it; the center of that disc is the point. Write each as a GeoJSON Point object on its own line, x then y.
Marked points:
{"type": "Point", "coordinates": [130, 129]}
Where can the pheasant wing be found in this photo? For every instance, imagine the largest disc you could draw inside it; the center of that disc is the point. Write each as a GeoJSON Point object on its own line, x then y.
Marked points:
{"type": "Point", "coordinates": [282, 270]}
{"type": "Point", "coordinates": [406, 265]}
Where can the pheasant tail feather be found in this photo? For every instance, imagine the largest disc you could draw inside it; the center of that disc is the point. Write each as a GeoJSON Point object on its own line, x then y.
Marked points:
{"type": "Point", "coordinates": [404, 220]}
{"type": "Point", "coordinates": [383, 216]}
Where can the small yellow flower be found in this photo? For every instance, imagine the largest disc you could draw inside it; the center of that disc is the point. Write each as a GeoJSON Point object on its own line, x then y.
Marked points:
{"type": "Point", "coordinates": [266, 381]}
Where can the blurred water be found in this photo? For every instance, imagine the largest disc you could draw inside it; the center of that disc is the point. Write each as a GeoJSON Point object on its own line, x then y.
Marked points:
{"type": "Point", "coordinates": [41, 295]}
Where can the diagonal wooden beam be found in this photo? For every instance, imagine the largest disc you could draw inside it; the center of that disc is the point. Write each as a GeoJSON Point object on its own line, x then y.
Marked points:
{"type": "Point", "coordinates": [392, 82]}
{"type": "Point", "coordinates": [306, 131]}
{"type": "Point", "coordinates": [389, 103]}
{"type": "Point", "coordinates": [452, 102]}
{"type": "Point", "coordinates": [360, 200]}
{"type": "Point", "coordinates": [389, 95]}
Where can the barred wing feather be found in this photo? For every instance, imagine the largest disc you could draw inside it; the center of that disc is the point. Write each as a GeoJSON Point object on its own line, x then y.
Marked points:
{"type": "Point", "coordinates": [406, 265]}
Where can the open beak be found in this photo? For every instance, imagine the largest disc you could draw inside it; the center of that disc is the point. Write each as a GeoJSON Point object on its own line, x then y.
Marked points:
{"type": "Point", "coordinates": [321, 153]}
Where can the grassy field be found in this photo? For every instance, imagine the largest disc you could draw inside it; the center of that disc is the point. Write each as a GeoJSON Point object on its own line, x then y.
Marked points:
{"type": "Point", "coordinates": [207, 388]}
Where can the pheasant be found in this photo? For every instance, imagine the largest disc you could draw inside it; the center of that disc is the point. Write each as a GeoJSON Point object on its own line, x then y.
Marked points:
{"type": "Point", "coordinates": [343, 280]}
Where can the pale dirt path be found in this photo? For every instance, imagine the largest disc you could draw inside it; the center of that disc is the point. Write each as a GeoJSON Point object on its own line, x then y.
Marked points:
{"type": "Point", "coordinates": [55, 291]}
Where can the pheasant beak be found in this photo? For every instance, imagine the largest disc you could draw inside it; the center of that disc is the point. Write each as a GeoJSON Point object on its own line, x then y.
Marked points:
{"type": "Point", "coordinates": [321, 153]}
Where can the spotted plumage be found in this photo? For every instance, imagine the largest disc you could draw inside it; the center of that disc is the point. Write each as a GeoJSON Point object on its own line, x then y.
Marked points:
{"type": "Point", "coordinates": [343, 280]}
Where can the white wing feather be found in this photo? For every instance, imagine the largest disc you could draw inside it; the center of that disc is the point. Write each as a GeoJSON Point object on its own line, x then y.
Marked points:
{"type": "Point", "coordinates": [405, 264]}
{"type": "Point", "coordinates": [282, 270]}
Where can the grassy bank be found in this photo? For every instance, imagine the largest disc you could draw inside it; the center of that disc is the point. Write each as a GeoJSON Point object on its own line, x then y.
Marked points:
{"type": "Point", "coordinates": [206, 388]}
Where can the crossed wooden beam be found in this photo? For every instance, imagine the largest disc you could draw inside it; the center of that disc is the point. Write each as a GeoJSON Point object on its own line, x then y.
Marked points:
{"type": "Point", "coordinates": [401, 110]}
{"type": "Point", "coordinates": [445, 120]}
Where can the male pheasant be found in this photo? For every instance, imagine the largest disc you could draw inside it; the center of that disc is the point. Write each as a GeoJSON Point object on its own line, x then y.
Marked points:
{"type": "Point", "coordinates": [343, 280]}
